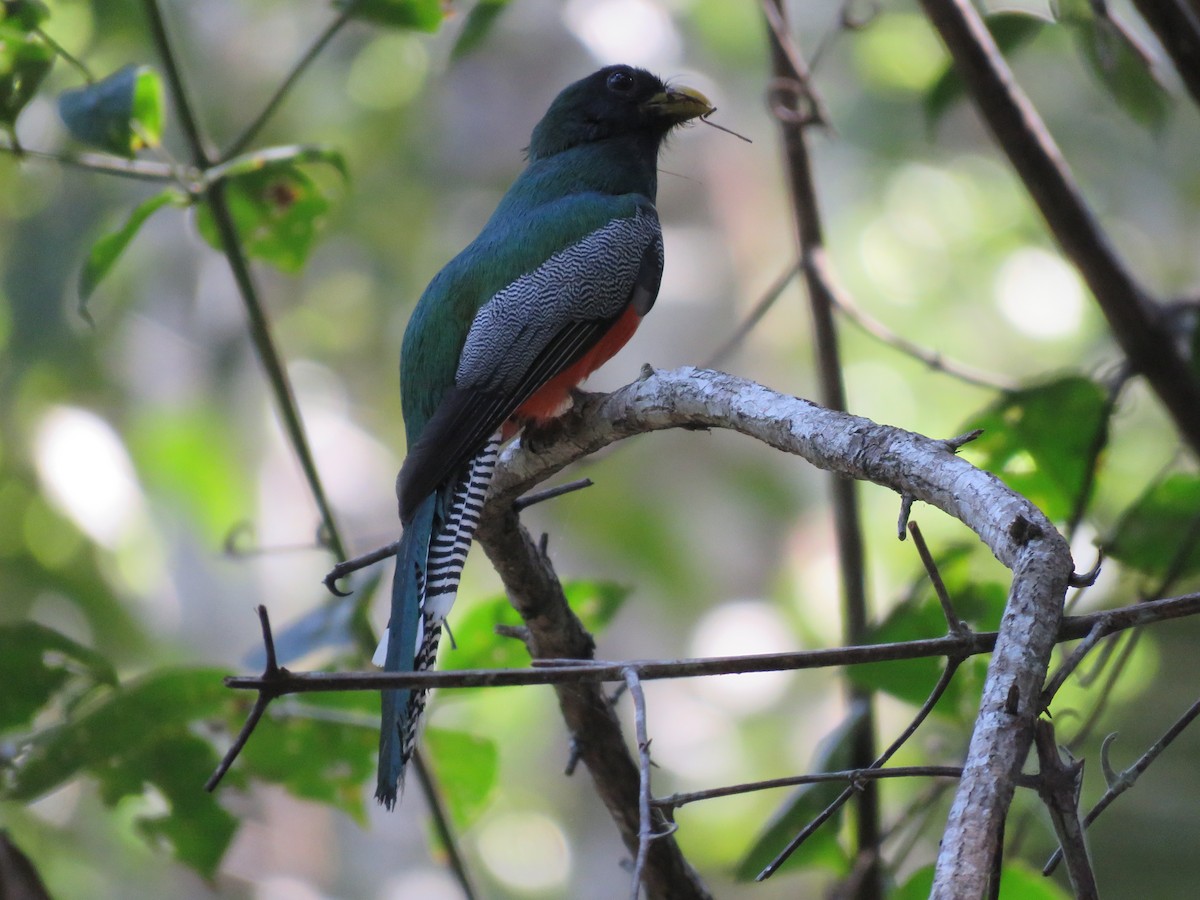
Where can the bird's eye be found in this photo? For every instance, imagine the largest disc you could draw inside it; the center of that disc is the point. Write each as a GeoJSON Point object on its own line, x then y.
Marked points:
{"type": "Point", "coordinates": [621, 82]}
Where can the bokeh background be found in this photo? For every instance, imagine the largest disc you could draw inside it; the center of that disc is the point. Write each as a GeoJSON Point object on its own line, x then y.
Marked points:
{"type": "Point", "coordinates": [135, 451]}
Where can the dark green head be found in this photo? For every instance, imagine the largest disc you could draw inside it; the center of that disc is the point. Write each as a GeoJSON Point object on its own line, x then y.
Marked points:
{"type": "Point", "coordinates": [617, 101]}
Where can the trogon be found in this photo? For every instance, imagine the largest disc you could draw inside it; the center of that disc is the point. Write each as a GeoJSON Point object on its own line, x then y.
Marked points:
{"type": "Point", "coordinates": [555, 284]}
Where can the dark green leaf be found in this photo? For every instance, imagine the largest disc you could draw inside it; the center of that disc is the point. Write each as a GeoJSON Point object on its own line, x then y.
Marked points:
{"type": "Point", "coordinates": [422, 15]}
{"type": "Point", "coordinates": [466, 767]}
{"type": "Point", "coordinates": [479, 23]}
{"type": "Point", "coordinates": [1119, 62]}
{"type": "Point", "coordinates": [277, 212]}
{"type": "Point", "coordinates": [323, 749]}
{"type": "Point", "coordinates": [108, 249]}
{"type": "Point", "coordinates": [195, 828]}
{"type": "Point", "coordinates": [1160, 533]}
{"type": "Point", "coordinates": [36, 663]}
{"type": "Point", "coordinates": [805, 804]}
{"type": "Point", "coordinates": [28, 14]}
{"type": "Point", "coordinates": [1011, 30]}
{"type": "Point", "coordinates": [25, 59]}
{"type": "Point", "coordinates": [120, 114]}
{"type": "Point", "coordinates": [1040, 441]}
{"type": "Point", "coordinates": [122, 722]}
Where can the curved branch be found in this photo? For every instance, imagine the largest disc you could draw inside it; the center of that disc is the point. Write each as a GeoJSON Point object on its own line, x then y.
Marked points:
{"type": "Point", "coordinates": [1017, 533]}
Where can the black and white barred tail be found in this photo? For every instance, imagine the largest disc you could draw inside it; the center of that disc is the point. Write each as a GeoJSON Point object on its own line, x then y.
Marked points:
{"type": "Point", "coordinates": [438, 579]}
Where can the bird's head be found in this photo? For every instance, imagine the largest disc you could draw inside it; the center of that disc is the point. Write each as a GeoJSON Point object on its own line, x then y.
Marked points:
{"type": "Point", "coordinates": [613, 102]}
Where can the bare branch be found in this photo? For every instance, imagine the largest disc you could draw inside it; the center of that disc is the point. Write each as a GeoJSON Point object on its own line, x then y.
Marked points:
{"type": "Point", "coordinates": [1059, 787]}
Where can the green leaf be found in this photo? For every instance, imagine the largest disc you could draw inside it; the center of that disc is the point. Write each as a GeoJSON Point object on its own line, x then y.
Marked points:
{"type": "Point", "coordinates": [1160, 533]}
{"type": "Point", "coordinates": [805, 804]}
{"type": "Point", "coordinates": [479, 23]}
{"type": "Point", "coordinates": [466, 766]}
{"type": "Point", "coordinates": [422, 15]}
{"type": "Point", "coordinates": [277, 212]}
{"type": "Point", "coordinates": [323, 749]}
{"type": "Point", "coordinates": [476, 644]}
{"type": "Point", "coordinates": [25, 59]}
{"type": "Point", "coordinates": [28, 14]}
{"type": "Point", "coordinates": [1119, 62]}
{"type": "Point", "coordinates": [121, 114]}
{"type": "Point", "coordinates": [36, 664]}
{"type": "Point", "coordinates": [108, 249]}
{"type": "Point", "coordinates": [1019, 882]}
{"type": "Point", "coordinates": [195, 828]}
{"type": "Point", "coordinates": [1011, 30]}
{"type": "Point", "coordinates": [1040, 440]}
{"type": "Point", "coordinates": [123, 722]}
{"type": "Point", "coordinates": [918, 887]}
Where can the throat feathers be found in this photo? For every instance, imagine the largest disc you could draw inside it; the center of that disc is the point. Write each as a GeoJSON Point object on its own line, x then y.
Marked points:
{"type": "Point", "coordinates": [555, 284]}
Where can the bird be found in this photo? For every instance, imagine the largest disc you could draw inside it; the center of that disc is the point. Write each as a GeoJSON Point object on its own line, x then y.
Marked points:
{"type": "Point", "coordinates": [555, 284]}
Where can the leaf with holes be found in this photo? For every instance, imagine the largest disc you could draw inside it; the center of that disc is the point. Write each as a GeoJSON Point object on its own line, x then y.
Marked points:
{"type": "Point", "coordinates": [37, 664]}
{"type": "Point", "coordinates": [277, 213]}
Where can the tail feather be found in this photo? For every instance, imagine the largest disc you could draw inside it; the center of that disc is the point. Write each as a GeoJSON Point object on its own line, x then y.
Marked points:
{"type": "Point", "coordinates": [429, 562]}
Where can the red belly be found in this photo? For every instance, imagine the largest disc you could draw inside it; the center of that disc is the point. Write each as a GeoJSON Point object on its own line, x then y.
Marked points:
{"type": "Point", "coordinates": [552, 398]}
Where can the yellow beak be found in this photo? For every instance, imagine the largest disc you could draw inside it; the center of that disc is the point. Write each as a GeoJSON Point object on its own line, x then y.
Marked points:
{"type": "Point", "coordinates": [679, 104]}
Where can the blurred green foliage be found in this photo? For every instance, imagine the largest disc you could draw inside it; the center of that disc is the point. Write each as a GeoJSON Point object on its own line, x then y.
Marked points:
{"type": "Point", "coordinates": [134, 448]}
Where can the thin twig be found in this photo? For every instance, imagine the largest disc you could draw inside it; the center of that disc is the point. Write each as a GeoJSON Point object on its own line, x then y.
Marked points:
{"type": "Point", "coordinates": [952, 664]}
{"type": "Point", "coordinates": [441, 824]}
{"type": "Point", "coordinates": [62, 51]}
{"type": "Point", "coordinates": [183, 104]}
{"type": "Point", "coordinates": [935, 577]}
{"type": "Point", "coordinates": [523, 503]}
{"type": "Point", "coordinates": [931, 358]}
{"type": "Point", "coordinates": [140, 169]}
{"type": "Point", "coordinates": [271, 673]}
{"type": "Point", "coordinates": [760, 309]}
{"type": "Point", "coordinates": [645, 828]}
{"type": "Point", "coordinates": [342, 569]}
{"type": "Point", "coordinates": [675, 801]}
{"type": "Point", "coordinates": [251, 131]}
{"type": "Point", "coordinates": [268, 354]}
{"type": "Point", "coordinates": [1072, 662]}
{"type": "Point", "coordinates": [1072, 628]}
